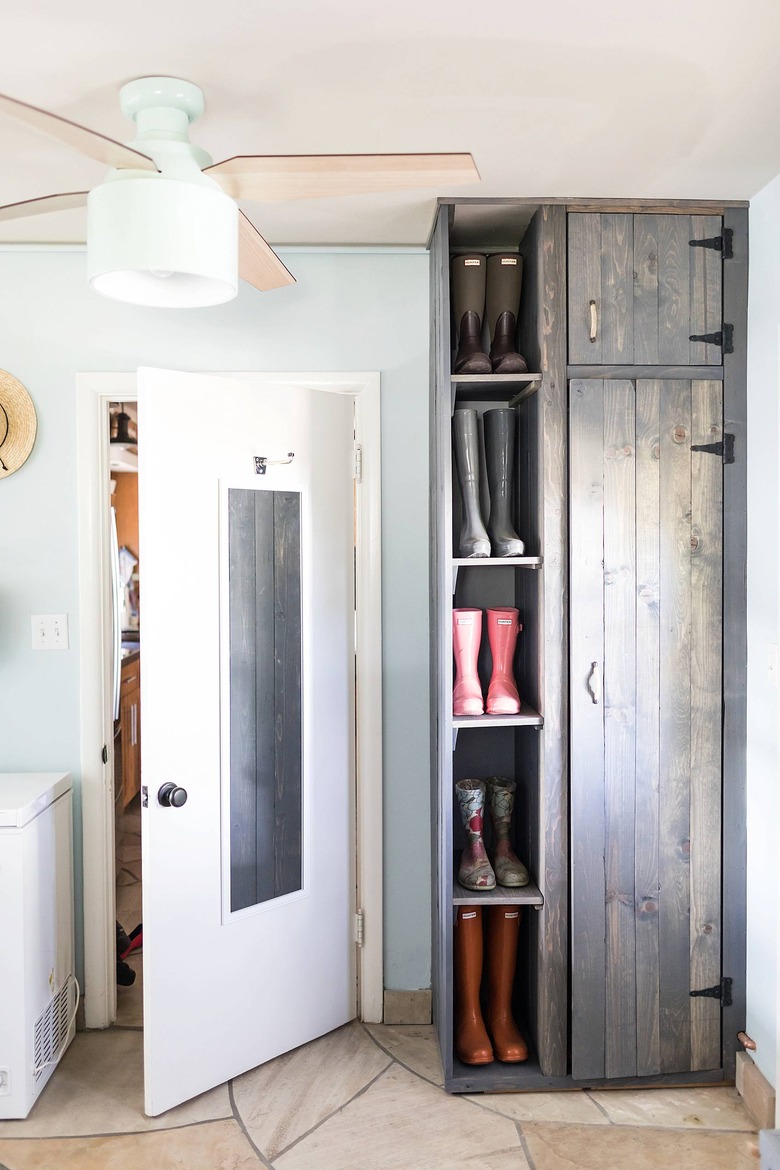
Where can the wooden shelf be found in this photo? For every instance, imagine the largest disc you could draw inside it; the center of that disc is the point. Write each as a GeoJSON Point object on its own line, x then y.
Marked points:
{"type": "Point", "coordinates": [496, 562]}
{"type": "Point", "coordinates": [513, 388]}
{"type": "Point", "coordinates": [529, 895]}
{"type": "Point", "coordinates": [527, 718]}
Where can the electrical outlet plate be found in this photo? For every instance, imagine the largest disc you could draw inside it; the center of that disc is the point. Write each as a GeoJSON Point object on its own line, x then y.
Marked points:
{"type": "Point", "coordinates": [49, 631]}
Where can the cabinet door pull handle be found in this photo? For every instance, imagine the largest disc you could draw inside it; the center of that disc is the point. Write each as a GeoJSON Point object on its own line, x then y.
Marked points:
{"type": "Point", "coordinates": [594, 682]}
{"type": "Point", "coordinates": [594, 321]}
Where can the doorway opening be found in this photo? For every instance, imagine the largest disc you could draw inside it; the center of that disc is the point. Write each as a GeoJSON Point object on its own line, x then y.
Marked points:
{"type": "Point", "coordinates": [125, 597]}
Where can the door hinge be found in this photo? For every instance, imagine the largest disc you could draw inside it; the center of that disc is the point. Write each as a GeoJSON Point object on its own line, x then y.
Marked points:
{"type": "Point", "coordinates": [725, 448]}
{"type": "Point", "coordinates": [357, 468]}
{"type": "Point", "coordinates": [721, 991]}
{"type": "Point", "coordinates": [144, 796]}
{"type": "Point", "coordinates": [724, 338]}
{"type": "Point", "coordinates": [724, 244]}
{"type": "Point", "coordinates": [104, 754]}
{"type": "Point", "coordinates": [360, 928]}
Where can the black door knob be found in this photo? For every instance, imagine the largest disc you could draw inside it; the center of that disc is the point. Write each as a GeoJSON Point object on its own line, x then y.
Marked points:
{"type": "Point", "coordinates": [170, 796]}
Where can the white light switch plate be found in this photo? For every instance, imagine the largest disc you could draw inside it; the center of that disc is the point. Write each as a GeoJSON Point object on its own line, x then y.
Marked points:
{"type": "Point", "coordinates": [49, 631]}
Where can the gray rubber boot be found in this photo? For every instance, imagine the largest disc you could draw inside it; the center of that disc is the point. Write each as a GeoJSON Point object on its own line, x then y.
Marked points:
{"type": "Point", "coordinates": [500, 458]}
{"type": "Point", "coordinates": [467, 289]}
{"type": "Point", "coordinates": [504, 285]}
{"type": "Point", "coordinates": [474, 540]}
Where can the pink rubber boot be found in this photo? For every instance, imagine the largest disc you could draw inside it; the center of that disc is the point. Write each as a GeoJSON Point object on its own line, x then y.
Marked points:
{"type": "Point", "coordinates": [466, 636]}
{"type": "Point", "coordinates": [503, 628]}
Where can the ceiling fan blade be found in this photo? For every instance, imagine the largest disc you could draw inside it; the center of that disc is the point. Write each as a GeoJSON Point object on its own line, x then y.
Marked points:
{"type": "Point", "coordinates": [316, 176]}
{"type": "Point", "coordinates": [64, 202]}
{"type": "Point", "coordinates": [258, 264]}
{"type": "Point", "coordinates": [89, 142]}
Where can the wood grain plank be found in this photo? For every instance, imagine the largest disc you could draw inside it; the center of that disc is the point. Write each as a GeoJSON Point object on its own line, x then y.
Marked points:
{"type": "Point", "coordinates": [287, 685]}
{"type": "Point", "coordinates": [706, 277]}
{"type": "Point", "coordinates": [706, 700]}
{"type": "Point", "coordinates": [652, 372]}
{"type": "Point", "coordinates": [617, 288]}
{"type": "Point", "coordinates": [584, 280]}
{"type": "Point", "coordinates": [243, 753]}
{"type": "Point", "coordinates": [265, 703]}
{"type": "Point", "coordinates": [674, 288]}
{"type": "Point", "coordinates": [588, 878]}
{"type": "Point", "coordinates": [648, 703]}
{"type": "Point", "coordinates": [675, 730]}
{"type": "Point", "coordinates": [646, 290]}
{"type": "Point", "coordinates": [619, 591]}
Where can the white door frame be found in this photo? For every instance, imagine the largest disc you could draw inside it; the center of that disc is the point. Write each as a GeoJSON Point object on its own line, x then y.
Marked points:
{"type": "Point", "coordinates": [95, 391]}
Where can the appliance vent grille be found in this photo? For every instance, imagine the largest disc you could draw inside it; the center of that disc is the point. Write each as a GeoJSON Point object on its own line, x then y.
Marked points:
{"type": "Point", "coordinates": [51, 1029]}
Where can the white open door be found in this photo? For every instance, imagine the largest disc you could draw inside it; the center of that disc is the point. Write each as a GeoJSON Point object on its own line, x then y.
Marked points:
{"type": "Point", "coordinates": [248, 706]}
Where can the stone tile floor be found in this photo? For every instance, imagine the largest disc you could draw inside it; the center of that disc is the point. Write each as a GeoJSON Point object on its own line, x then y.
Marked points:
{"type": "Point", "coordinates": [362, 1098]}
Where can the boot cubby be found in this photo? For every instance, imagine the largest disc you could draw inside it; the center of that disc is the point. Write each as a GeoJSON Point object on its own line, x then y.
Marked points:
{"type": "Point", "coordinates": [488, 433]}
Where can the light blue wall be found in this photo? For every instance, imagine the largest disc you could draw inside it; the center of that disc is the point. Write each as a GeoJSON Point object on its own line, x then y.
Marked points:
{"type": "Point", "coordinates": [763, 798]}
{"type": "Point", "coordinates": [348, 311]}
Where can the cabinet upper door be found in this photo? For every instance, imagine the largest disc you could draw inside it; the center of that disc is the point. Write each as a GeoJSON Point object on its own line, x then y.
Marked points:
{"type": "Point", "coordinates": [641, 286]}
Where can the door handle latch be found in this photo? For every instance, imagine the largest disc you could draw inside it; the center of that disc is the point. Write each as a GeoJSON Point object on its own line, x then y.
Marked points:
{"type": "Point", "coordinates": [594, 321]}
{"type": "Point", "coordinates": [594, 682]}
{"type": "Point", "coordinates": [171, 796]}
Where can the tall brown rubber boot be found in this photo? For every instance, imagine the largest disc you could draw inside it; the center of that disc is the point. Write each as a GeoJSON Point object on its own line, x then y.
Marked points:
{"type": "Point", "coordinates": [471, 1040]}
{"type": "Point", "coordinates": [467, 288]}
{"type": "Point", "coordinates": [504, 284]}
{"type": "Point", "coordinates": [503, 932]}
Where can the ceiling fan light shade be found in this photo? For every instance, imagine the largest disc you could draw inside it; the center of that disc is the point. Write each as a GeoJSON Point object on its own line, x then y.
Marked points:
{"type": "Point", "coordinates": [163, 243]}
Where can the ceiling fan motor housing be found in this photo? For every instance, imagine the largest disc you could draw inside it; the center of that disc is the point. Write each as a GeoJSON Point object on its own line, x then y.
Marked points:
{"type": "Point", "coordinates": [167, 239]}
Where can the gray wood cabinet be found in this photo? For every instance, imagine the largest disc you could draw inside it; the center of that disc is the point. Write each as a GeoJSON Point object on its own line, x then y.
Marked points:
{"type": "Point", "coordinates": [631, 786]}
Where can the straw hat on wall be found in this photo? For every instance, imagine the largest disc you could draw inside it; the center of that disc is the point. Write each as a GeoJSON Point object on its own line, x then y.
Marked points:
{"type": "Point", "coordinates": [18, 424]}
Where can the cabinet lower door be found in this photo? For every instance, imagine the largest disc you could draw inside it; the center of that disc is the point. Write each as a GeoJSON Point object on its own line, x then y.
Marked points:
{"type": "Point", "coordinates": [646, 717]}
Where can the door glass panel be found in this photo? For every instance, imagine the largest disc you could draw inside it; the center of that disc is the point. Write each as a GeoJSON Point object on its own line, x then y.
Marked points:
{"type": "Point", "coordinates": [264, 555]}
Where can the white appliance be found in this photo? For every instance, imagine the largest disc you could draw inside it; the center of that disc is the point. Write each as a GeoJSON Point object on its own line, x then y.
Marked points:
{"type": "Point", "coordinates": [37, 983]}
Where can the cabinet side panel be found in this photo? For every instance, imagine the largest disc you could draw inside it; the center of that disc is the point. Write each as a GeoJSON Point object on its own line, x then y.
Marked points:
{"type": "Point", "coordinates": [440, 655]}
{"type": "Point", "coordinates": [735, 290]}
{"type": "Point", "coordinates": [544, 248]}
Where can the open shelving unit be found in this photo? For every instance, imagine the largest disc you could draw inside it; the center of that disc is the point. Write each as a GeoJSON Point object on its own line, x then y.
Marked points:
{"type": "Point", "coordinates": [514, 745]}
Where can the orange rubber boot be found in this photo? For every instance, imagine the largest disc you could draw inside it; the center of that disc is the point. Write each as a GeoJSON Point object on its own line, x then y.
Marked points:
{"type": "Point", "coordinates": [503, 932]}
{"type": "Point", "coordinates": [472, 1045]}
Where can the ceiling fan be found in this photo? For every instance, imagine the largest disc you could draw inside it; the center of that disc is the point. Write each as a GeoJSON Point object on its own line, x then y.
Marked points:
{"type": "Point", "coordinates": [163, 228]}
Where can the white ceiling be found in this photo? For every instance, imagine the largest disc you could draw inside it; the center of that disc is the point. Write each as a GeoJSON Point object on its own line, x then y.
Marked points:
{"type": "Point", "coordinates": [568, 98]}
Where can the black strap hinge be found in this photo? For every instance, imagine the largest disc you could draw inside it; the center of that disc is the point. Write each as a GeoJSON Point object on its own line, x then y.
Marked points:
{"type": "Point", "coordinates": [724, 339]}
{"type": "Point", "coordinates": [724, 244]}
{"type": "Point", "coordinates": [721, 991]}
{"type": "Point", "coordinates": [725, 448]}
